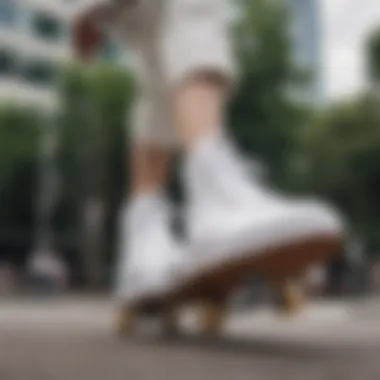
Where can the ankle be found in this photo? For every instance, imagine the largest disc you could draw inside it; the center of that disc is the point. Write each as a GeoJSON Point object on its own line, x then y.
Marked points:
{"type": "Point", "coordinates": [207, 143]}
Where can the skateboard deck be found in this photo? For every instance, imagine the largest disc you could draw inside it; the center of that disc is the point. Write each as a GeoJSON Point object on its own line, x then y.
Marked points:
{"type": "Point", "coordinates": [210, 290]}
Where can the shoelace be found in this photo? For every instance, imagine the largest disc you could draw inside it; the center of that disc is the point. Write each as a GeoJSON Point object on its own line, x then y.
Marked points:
{"type": "Point", "coordinates": [253, 171]}
{"type": "Point", "coordinates": [238, 170]}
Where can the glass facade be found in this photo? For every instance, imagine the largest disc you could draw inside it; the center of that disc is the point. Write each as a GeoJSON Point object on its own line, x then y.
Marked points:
{"type": "Point", "coordinates": [7, 62]}
{"type": "Point", "coordinates": [306, 33]}
{"type": "Point", "coordinates": [8, 13]}
{"type": "Point", "coordinates": [39, 72]}
{"type": "Point", "coordinates": [109, 51]}
{"type": "Point", "coordinates": [46, 27]}
{"type": "Point", "coordinates": [40, 25]}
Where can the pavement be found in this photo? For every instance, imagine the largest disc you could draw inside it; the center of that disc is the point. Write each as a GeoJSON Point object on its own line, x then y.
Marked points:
{"type": "Point", "coordinates": [72, 339]}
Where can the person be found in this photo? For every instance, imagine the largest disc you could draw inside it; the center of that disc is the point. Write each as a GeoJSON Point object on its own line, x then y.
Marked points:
{"type": "Point", "coordinates": [48, 273]}
{"type": "Point", "coordinates": [182, 56]}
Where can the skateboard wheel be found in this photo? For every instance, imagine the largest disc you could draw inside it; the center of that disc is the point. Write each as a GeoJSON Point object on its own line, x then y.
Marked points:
{"type": "Point", "coordinates": [291, 298]}
{"type": "Point", "coordinates": [211, 318]}
{"type": "Point", "coordinates": [125, 321]}
{"type": "Point", "coordinates": [170, 321]}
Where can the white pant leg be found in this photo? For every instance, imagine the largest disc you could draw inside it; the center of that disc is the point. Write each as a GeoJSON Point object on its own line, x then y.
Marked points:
{"type": "Point", "coordinates": [188, 35]}
{"type": "Point", "coordinates": [151, 124]}
{"type": "Point", "coordinates": [173, 40]}
{"type": "Point", "coordinates": [191, 36]}
{"type": "Point", "coordinates": [196, 38]}
{"type": "Point", "coordinates": [139, 25]}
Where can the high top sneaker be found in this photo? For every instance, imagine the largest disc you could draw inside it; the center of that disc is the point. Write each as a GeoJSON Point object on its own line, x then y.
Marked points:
{"type": "Point", "coordinates": [150, 253]}
{"type": "Point", "coordinates": [231, 215]}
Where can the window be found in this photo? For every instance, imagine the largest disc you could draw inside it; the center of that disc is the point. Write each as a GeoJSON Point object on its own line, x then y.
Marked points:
{"type": "Point", "coordinates": [8, 12]}
{"type": "Point", "coordinates": [7, 62]}
{"type": "Point", "coordinates": [47, 27]}
{"type": "Point", "coordinates": [40, 72]}
{"type": "Point", "coordinates": [109, 51]}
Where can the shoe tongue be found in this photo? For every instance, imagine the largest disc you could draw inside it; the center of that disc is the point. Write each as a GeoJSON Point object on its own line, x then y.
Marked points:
{"type": "Point", "coordinates": [221, 164]}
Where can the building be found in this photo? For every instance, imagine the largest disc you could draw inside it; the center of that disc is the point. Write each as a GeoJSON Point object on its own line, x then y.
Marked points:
{"type": "Point", "coordinates": [306, 22]}
{"type": "Point", "coordinates": [34, 42]}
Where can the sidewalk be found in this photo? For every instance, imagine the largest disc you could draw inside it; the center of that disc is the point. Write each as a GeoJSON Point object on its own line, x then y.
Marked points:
{"type": "Point", "coordinates": [72, 339]}
{"type": "Point", "coordinates": [322, 325]}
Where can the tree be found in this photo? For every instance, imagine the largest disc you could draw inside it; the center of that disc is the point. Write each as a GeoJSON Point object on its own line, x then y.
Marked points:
{"type": "Point", "coordinates": [341, 161]}
{"type": "Point", "coordinates": [93, 156]}
{"type": "Point", "coordinates": [20, 132]}
{"type": "Point", "coordinates": [373, 56]}
{"type": "Point", "coordinates": [339, 154]}
{"type": "Point", "coordinates": [264, 115]}
{"type": "Point", "coordinates": [93, 126]}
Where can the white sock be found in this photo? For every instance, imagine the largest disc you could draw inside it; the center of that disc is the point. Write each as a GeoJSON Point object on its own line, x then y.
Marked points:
{"type": "Point", "coordinates": [207, 148]}
{"type": "Point", "coordinates": [145, 202]}
{"type": "Point", "coordinates": [210, 142]}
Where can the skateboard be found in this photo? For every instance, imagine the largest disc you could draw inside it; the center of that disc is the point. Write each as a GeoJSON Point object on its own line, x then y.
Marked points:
{"type": "Point", "coordinates": [210, 291]}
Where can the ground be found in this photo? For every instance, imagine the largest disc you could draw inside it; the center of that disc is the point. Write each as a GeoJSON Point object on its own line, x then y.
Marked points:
{"type": "Point", "coordinates": [72, 340]}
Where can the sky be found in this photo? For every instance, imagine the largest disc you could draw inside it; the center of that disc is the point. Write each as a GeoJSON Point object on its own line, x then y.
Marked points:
{"type": "Point", "coordinates": [346, 23]}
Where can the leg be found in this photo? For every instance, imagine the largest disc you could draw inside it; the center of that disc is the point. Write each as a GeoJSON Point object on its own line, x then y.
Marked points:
{"type": "Point", "coordinates": [147, 246]}
{"type": "Point", "coordinates": [236, 225]}
{"type": "Point", "coordinates": [198, 106]}
{"type": "Point", "coordinates": [149, 167]}
{"type": "Point", "coordinates": [149, 170]}
{"type": "Point", "coordinates": [149, 251]}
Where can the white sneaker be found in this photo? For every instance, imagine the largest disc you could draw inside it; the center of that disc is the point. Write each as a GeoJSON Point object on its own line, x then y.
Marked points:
{"type": "Point", "coordinates": [150, 254]}
{"type": "Point", "coordinates": [230, 216]}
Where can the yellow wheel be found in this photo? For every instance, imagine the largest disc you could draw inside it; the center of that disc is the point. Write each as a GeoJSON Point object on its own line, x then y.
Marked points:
{"type": "Point", "coordinates": [291, 298]}
{"type": "Point", "coordinates": [170, 321]}
{"type": "Point", "coordinates": [212, 317]}
{"type": "Point", "coordinates": [125, 321]}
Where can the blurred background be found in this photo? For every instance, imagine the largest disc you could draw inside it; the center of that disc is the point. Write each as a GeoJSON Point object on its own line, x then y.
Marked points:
{"type": "Point", "coordinates": [307, 109]}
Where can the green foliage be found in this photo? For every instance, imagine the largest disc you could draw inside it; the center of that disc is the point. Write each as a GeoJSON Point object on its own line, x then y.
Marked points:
{"type": "Point", "coordinates": [19, 131]}
{"type": "Point", "coordinates": [341, 161]}
{"type": "Point", "coordinates": [373, 55]}
{"type": "Point", "coordinates": [264, 116]}
{"type": "Point", "coordinates": [93, 149]}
